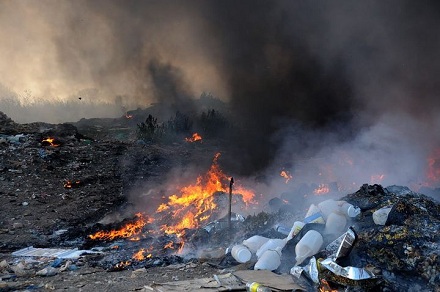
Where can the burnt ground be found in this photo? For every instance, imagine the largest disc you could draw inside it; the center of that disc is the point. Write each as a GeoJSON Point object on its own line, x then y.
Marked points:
{"type": "Point", "coordinates": [46, 190]}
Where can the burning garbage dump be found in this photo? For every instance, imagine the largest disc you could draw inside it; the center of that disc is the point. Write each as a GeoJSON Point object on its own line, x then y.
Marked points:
{"type": "Point", "coordinates": [373, 238]}
{"type": "Point", "coordinates": [337, 244]}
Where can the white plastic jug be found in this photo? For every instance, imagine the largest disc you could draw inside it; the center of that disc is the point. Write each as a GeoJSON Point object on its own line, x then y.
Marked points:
{"type": "Point", "coordinates": [271, 244]}
{"type": "Point", "coordinates": [327, 207]}
{"type": "Point", "coordinates": [335, 224]}
{"type": "Point", "coordinates": [253, 243]}
{"type": "Point", "coordinates": [270, 260]}
{"type": "Point", "coordinates": [296, 228]}
{"type": "Point", "coordinates": [241, 253]}
{"type": "Point", "coordinates": [309, 245]}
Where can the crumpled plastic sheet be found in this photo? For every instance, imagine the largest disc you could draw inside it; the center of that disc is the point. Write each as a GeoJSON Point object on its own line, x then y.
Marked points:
{"type": "Point", "coordinates": [349, 272]}
{"type": "Point", "coordinates": [311, 270]}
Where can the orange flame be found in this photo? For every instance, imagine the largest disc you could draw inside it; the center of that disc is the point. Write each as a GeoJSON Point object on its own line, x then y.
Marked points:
{"type": "Point", "coordinates": [122, 265]}
{"type": "Point", "coordinates": [286, 175]}
{"type": "Point", "coordinates": [195, 137]}
{"type": "Point", "coordinates": [68, 184]}
{"type": "Point", "coordinates": [196, 202]}
{"type": "Point", "coordinates": [322, 189]}
{"type": "Point", "coordinates": [140, 254]}
{"type": "Point", "coordinates": [127, 231]}
{"type": "Point", "coordinates": [128, 116]}
{"type": "Point", "coordinates": [51, 142]}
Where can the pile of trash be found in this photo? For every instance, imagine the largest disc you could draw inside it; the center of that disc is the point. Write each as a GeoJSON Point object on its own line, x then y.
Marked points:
{"type": "Point", "coordinates": [376, 237]}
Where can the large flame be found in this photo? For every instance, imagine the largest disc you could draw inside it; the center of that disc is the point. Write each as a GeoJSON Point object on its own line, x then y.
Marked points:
{"type": "Point", "coordinates": [195, 203]}
{"type": "Point", "coordinates": [128, 231]}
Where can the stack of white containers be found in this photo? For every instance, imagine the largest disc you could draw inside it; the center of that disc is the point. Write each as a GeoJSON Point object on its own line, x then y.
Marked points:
{"type": "Point", "coordinates": [332, 213]}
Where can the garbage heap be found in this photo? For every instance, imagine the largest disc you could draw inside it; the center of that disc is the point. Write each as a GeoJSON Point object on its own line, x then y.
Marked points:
{"type": "Point", "coordinates": [375, 238]}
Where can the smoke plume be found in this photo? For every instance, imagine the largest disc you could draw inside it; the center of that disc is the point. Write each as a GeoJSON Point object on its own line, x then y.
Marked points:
{"type": "Point", "coordinates": [305, 80]}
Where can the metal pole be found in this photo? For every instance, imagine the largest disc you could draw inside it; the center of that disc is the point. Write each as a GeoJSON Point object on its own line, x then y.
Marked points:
{"type": "Point", "coordinates": [230, 204]}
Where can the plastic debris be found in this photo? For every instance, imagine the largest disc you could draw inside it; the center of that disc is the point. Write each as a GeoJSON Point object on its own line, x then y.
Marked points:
{"type": "Point", "coordinates": [222, 223]}
{"type": "Point", "coordinates": [310, 270]}
{"type": "Point", "coordinates": [380, 216]}
{"type": "Point", "coordinates": [342, 245]}
{"type": "Point", "coordinates": [352, 273]}
{"type": "Point", "coordinates": [51, 252]}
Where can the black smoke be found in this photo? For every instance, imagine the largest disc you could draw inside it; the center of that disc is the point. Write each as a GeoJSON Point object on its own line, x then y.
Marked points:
{"type": "Point", "coordinates": [294, 72]}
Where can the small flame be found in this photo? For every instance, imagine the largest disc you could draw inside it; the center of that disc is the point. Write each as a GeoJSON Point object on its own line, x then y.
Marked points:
{"type": "Point", "coordinates": [195, 137]}
{"type": "Point", "coordinates": [286, 175]}
{"type": "Point", "coordinates": [325, 287]}
{"type": "Point", "coordinates": [128, 116]}
{"type": "Point", "coordinates": [122, 265]}
{"type": "Point", "coordinates": [139, 255]}
{"type": "Point", "coordinates": [128, 231]}
{"type": "Point", "coordinates": [169, 245]}
{"type": "Point", "coordinates": [69, 184]}
{"type": "Point", "coordinates": [322, 189]}
{"type": "Point", "coordinates": [51, 141]}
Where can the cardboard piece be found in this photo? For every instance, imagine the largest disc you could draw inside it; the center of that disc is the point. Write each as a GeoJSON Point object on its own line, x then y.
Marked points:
{"type": "Point", "coordinates": [269, 279]}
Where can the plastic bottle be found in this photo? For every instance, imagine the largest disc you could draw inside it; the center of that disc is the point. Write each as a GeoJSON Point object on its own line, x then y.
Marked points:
{"type": "Point", "coordinates": [253, 243]}
{"type": "Point", "coordinates": [271, 244]}
{"type": "Point", "coordinates": [256, 287]}
{"type": "Point", "coordinates": [241, 253]}
{"type": "Point", "coordinates": [282, 229]}
{"type": "Point", "coordinates": [309, 245]}
{"type": "Point", "coordinates": [270, 260]}
{"type": "Point", "coordinates": [296, 228]}
{"type": "Point", "coordinates": [342, 207]}
{"type": "Point", "coordinates": [335, 224]}
{"type": "Point", "coordinates": [348, 209]}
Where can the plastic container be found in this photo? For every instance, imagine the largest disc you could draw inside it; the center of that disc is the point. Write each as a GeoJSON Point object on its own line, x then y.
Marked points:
{"type": "Point", "coordinates": [315, 218]}
{"type": "Point", "coordinates": [253, 243]}
{"type": "Point", "coordinates": [327, 207]}
{"type": "Point", "coordinates": [271, 244]}
{"type": "Point", "coordinates": [296, 228]}
{"type": "Point", "coordinates": [309, 245]}
{"type": "Point", "coordinates": [282, 229]}
{"type": "Point", "coordinates": [241, 253]}
{"type": "Point", "coordinates": [348, 209]}
{"type": "Point", "coordinates": [342, 207]}
{"type": "Point", "coordinates": [313, 209]}
{"type": "Point", "coordinates": [270, 260]}
{"type": "Point", "coordinates": [335, 224]}
{"type": "Point", "coordinates": [380, 216]}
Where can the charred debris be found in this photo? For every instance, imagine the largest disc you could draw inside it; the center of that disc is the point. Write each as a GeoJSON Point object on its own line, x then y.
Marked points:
{"type": "Point", "coordinates": [57, 184]}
